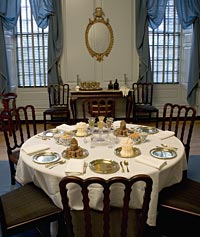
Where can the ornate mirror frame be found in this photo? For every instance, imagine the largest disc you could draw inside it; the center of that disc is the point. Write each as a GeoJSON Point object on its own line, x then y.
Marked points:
{"type": "Point", "coordinates": [98, 18]}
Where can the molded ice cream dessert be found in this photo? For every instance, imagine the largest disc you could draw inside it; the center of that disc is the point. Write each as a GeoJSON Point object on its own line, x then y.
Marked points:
{"type": "Point", "coordinates": [127, 147]}
{"type": "Point", "coordinates": [81, 129]}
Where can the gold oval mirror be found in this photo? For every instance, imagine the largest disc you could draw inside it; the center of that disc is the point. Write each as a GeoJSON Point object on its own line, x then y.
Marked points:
{"type": "Point", "coordinates": [99, 36]}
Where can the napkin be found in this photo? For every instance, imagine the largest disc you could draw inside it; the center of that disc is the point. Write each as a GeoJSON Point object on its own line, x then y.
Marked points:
{"type": "Point", "coordinates": [35, 148]}
{"type": "Point", "coordinates": [125, 90]}
{"type": "Point", "coordinates": [164, 134]}
{"type": "Point", "coordinates": [75, 166]}
{"type": "Point", "coordinates": [65, 127]}
{"type": "Point", "coordinates": [146, 160]}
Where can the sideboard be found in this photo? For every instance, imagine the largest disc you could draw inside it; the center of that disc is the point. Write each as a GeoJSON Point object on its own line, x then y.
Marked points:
{"type": "Point", "coordinates": [80, 95]}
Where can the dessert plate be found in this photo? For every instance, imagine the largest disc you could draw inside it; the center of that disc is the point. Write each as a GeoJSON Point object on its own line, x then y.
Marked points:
{"type": "Point", "coordinates": [146, 129]}
{"type": "Point", "coordinates": [163, 153]}
{"type": "Point", "coordinates": [46, 157]}
{"type": "Point", "coordinates": [136, 152]}
{"type": "Point", "coordinates": [50, 132]}
{"type": "Point", "coordinates": [104, 166]}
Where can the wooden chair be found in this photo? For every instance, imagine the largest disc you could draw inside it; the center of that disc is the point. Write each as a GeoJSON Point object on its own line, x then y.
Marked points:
{"type": "Point", "coordinates": [25, 208]}
{"type": "Point", "coordinates": [179, 205]}
{"type": "Point", "coordinates": [23, 126]}
{"type": "Point", "coordinates": [142, 100]}
{"type": "Point", "coordinates": [179, 209]}
{"type": "Point", "coordinates": [111, 221]}
{"type": "Point", "coordinates": [58, 105]}
{"type": "Point", "coordinates": [175, 117]}
{"type": "Point", "coordinates": [95, 107]}
{"type": "Point", "coordinates": [8, 101]}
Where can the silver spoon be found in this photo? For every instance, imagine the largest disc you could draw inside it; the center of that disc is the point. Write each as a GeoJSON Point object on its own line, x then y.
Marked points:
{"type": "Point", "coordinates": [169, 147]}
{"type": "Point", "coordinates": [57, 163]}
{"type": "Point", "coordinates": [126, 164]}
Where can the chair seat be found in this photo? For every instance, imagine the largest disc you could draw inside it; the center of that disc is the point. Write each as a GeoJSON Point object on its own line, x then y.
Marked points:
{"type": "Point", "coordinates": [57, 110]}
{"type": "Point", "coordinates": [145, 108]}
{"type": "Point", "coordinates": [97, 221]}
{"type": "Point", "coordinates": [26, 205]}
{"type": "Point", "coordinates": [183, 197]}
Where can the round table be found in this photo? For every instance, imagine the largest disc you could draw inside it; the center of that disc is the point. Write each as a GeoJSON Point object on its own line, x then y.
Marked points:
{"type": "Point", "coordinates": [48, 179]}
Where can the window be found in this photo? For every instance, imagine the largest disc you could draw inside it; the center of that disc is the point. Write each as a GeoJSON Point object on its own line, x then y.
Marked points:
{"type": "Point", "coordinates": [164, 45]}
{"type": "Point", "coordinates": [31, 47]}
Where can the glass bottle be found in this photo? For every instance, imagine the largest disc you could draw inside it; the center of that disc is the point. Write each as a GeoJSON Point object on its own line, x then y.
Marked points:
{"type": "Point", "coordinates": [116, 85]}
{"type": "Point", "coordinates": [110, 85]}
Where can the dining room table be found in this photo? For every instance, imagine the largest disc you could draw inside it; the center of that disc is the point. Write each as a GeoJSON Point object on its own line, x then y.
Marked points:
{"type": "Point", "coordinates": [161, 156]}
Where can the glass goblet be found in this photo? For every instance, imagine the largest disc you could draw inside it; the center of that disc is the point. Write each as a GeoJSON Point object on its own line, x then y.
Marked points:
{"type": "Point", "coordinates": [91, 122]}
{"type": "Point", "coordinates": [109, 122]}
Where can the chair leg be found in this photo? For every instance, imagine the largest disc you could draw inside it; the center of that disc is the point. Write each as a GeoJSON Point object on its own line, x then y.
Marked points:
{"type": "Point", "coordinates": [12, 172]}
{"type": "Point", "coordinates": [45, 125]}
{"type": "Point", "coordinates": [157, 119]}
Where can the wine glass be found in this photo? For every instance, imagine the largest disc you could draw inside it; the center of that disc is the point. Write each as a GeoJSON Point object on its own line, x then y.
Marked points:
{"type": "Point", "coordinates": [109, 122]}
{"type": "Point", "coordinates": [91, 122]}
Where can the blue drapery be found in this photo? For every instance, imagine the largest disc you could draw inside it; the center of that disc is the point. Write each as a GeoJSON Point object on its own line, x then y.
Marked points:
{"type": "Point", "coordinates": [41, 10]}
{"type": "Point", "coordinates": [148, 13]}
{"type": "Point", "coordinates": [49, 12]}
{"type": "Point", "coordinates": [55, 43]}
{"type": "Point", "coordinates": [189, 13]}
{"type": "Point", "coordinates": [9, 12]}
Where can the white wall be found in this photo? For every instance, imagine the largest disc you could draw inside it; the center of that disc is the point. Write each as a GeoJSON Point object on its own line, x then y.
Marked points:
{"type": "Point", "coordinates": [122, 59]}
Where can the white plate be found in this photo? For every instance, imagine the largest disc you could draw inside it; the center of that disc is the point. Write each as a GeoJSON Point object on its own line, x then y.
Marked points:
{"type": "Point", "coordinates": [46, 157]}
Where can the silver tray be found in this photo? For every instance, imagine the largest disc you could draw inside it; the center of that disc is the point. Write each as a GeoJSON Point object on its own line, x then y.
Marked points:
{"type": "Point", "coordinates": [85, 154]}
{"type": "Point", "coordinates": [50, 132]}
{"type": "Point", "coordinates": [86, 135]}
{"type": "Point", "coordinates": [46, 157]}
{"type": "Point", "coordinates": [149, 130]}
{"type": "Point", "coordinates": [115, 133]}
{"type": "Point", "coordinates": [104, 166]}
{"type": "Point", "coordinates": [136, 152]}
{"type": "Point", "coordinates": [163, 153]}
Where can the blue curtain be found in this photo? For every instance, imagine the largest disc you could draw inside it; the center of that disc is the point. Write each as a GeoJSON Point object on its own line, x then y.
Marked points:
{"type": "Point", "coordinates": [9, 13]}
{"type": "Point", "coordinates": [148, 13]}
{"type": "Point", "coordinates": [41, 10]}
{"type": "Point", "coordinates": [55, 43]}
{"type": "Point", "coordinates": [49, 12]}
{"type": "Point", "coordinates": [189, 14]}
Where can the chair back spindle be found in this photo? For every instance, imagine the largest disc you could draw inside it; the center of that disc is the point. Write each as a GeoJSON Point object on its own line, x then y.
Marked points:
{"type": "Point", "coordinates": [103, 223]}
{"type": "Point", "coordinates": [180, 119]}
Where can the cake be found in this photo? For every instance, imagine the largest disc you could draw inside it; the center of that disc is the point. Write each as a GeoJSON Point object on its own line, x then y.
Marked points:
{"type": "Point", "coordinates": [74, 150]}
{"type": "Point", "coordinates": [122, 130]}
{"type": "Point", "coordinates": [127, 147]}
{"type": "Point", "coordinates": [81, 129]}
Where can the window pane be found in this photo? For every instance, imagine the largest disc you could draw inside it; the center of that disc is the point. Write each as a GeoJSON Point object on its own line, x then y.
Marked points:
{"type": "Point", "coordinates": [32, 48]}
{"type": "Point", "coordinates": [164, 45]}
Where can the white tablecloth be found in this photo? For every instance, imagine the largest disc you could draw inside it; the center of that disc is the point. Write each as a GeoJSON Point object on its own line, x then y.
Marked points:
{"type": "Point", "coordinates": [48, 179]}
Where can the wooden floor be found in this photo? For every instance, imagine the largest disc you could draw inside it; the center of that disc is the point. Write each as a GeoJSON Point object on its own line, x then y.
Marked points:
{"type": "Point", "coordinates": [194, 150]}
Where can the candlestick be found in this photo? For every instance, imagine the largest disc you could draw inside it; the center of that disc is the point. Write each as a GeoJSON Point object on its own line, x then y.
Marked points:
{"type": "Point", "coordinates": [77, 80]}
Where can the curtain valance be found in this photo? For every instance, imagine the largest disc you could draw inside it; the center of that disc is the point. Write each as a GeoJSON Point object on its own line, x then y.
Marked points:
{"type": "Point", "coordinates": [41, 10]}
{"type": "Point", "coordinates": [9, 12]}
